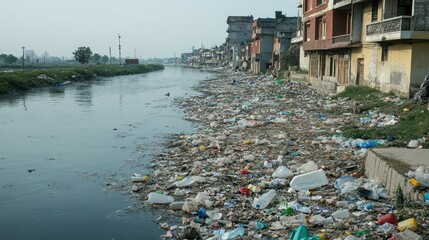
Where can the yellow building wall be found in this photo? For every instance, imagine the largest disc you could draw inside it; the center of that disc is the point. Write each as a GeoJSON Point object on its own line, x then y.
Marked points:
{"type": "Point", "coordinates": [368, 51]}
{"type": "Point", "coordinates": [394, 74]}
{"type": "Point", "coordinates": [419, 65]}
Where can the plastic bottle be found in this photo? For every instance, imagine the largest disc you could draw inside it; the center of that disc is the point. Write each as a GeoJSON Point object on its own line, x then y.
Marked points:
{"type": "Point", "coordinates": [154, 197]}
{"type": "Point", "coordinates": [426, 199]}
{"type": "Point", "coordinates": [254, 188]}
{"type": "Point", "coordinates": [410, 223]}
{"type": "Point", "coordinates": [308, 167]}
{"type": "Point", "coordinates": [369, 144]}
{"type": "Point", "coordinates": [184, 182]}
{"type": "Point", "coordinates": [366, 207]}
{"type": "Point", "coordinates": [342, 204]}
{"type": "Point", "coordinates": [390, 218]}
{"type": "Point", "coordinates": [265, 199]}
{"type": "Point", "coordinates": [238, 232]}
{"type": "Point", "coordinates": [282, 172]}
{"type": "Point", "coordinates": [309, 180]}
{"type": "Point", "coordinates": [296, 220]}
{"type": "Point", "coordinates": [341, 214]}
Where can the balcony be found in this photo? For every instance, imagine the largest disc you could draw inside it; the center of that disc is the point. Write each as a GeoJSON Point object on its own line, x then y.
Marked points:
{"type": "Point", "coordinates": [342, 4]}
{"type": "Point", "coordinates": [397, 28]}
{"type": "Point", "coordinates": [341, 39]}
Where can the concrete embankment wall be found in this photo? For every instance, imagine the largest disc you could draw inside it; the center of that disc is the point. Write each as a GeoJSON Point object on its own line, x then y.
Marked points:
{"type": "Point", "coordinates": [390, 166]}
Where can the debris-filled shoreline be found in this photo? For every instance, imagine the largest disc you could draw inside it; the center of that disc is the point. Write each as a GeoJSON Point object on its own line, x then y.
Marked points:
{"type": "Point", "coordinates": [270, 162]}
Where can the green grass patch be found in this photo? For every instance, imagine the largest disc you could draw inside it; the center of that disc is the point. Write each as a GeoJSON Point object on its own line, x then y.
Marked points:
{"type": "Point", "coordinates": [413, 124]}
{"type": "Point", "coordinates": [21, 80]}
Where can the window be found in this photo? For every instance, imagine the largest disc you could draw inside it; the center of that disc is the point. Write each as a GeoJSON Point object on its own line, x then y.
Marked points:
{"type": "Point", "coordinates": [384, 53]}
{"type": "Point", "coordinates": [308, 5]}
{"type": "Point", "coordinates": [307, 31]}
{"type": "Point", "coordinates": [321, 28]}
{"type": "Point", "coordinates": [374, 12]}
{"type": "Point", "coordinates": [320, 2]}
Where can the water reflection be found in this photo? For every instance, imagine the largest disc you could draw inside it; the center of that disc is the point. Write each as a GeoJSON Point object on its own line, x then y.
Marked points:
{"type": "Point", "coordinates": [73, 135]}
{"type": "Point", "coordinates": [83, 95]}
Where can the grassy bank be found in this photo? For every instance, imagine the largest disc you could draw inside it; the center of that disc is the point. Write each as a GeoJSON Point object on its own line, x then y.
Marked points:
{"type": "Point", "coordinates": [26, 79]}
{"type": "Point", "coordinates": [413, 117]}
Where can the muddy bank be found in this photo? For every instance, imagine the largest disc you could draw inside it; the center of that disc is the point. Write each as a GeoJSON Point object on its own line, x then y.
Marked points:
{"type": "Point", "coordinates": [257, 136]}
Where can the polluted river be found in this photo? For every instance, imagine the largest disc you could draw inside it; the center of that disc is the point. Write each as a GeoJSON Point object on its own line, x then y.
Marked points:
{"type": "Point", "coordinates": [66, 152]}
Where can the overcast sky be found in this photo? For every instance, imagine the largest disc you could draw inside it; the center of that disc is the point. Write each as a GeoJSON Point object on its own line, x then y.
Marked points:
{"type": "Point", "coordinates": [156, 28]}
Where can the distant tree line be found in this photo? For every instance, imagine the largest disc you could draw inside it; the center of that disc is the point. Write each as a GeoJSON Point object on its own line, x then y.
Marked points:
{"type": "Point", "coordinates": [8, 59]}
{"type": "Point", "coordinates": [84, 55]}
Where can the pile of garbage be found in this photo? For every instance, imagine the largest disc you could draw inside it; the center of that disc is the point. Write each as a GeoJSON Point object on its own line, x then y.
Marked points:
{"type": "Point", "coordinates": [269, 162]}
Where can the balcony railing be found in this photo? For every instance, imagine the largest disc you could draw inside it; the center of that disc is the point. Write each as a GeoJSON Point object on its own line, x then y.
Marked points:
{"type": "Point", "coordinates": [397, 24]}
{"type": "Point", "coordinates": [341, 39]}
{"type": "Point", "coordinates": [338, 1]}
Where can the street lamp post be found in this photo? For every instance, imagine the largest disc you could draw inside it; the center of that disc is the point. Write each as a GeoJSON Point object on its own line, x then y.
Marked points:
{"type": "Point", "coordinates": [23, 50]}
{"type": "Point", "coordinates": [120, 61]}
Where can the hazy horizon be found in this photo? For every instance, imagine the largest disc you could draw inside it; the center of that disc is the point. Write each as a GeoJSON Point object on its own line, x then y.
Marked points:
{"type": "Point", "coordinates": [148, 29]}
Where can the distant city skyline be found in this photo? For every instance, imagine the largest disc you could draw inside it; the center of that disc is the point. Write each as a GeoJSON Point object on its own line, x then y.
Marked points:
{"type": "Point", "coordinates": [148, 29]}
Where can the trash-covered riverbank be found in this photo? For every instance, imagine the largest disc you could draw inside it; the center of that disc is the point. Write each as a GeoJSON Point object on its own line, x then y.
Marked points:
{"type": "Point", "coordinates": [26, 79]}
{"type": "Point", "coordinates": [270, 162]}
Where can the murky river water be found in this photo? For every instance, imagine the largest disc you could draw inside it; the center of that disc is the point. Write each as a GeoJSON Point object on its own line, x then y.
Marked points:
{"type": "Point", "coordinates": [63, 152]}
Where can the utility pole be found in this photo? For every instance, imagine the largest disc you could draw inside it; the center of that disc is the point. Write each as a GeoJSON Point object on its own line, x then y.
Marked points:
{"type": "Point", "coordinates": [23, 50]}
{"type": "Point", "coordinates": [110, 56]}
{"type": "Point", "coordinates": [120, 61]}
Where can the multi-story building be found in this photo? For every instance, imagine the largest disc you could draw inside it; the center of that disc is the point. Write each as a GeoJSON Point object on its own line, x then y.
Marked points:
{"type": "Point", "coordinates": [395, 44]}
{"type": "Point", "coordinates": [271, 37]}
{"type": "Point", "coordinates": [239, 31]}
{"type": "Point", "coordinates": [377, 43]}
{"type": "Point", "coordinates": [297, 38]}
{"type": "Point", "coordinates": [285, 28]}
{"type": "Point", "coordinates": [262, 44]}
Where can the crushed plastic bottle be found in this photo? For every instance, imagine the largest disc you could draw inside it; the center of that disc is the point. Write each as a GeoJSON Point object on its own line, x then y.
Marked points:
{"type": "Point", "coordinates": [341, 214]}
{"type": "Point", "coordinates": [154, 197]}
{"type": "Point", "coordinates": [265, 199]}
{"type": "Point", "coordinates": [369, 144]}
{"type": "Point", "coordinates": [282, 172]}
{"type": "Point", "coordinates": [231, 235]}
{"type": "Point", "coordinates": [308, 167]}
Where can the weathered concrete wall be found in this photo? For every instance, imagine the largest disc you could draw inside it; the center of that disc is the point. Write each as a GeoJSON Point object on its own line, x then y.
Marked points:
{"type": "Point", "coordinates": [420, 65]}
{"type": "Point", "coordinates": [239, 30]}
{"type": "Point", "coordinates": [421, 15]}
{"type": "Point", "coordinates": [390, 165]}
{"type": "Point", "coordinates": [304, 61]}
{"type": "Point", "coordinates": [299, 77]}
{"type": "Point", "coordinates": [394, 74]}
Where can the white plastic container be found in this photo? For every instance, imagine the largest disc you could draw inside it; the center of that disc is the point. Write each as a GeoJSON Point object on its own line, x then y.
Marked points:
{"type": "Point", "coordinates": [341, 214]}
{"type": "Point", "coordinates": [308, 167]}
{"type": "Point", "coordinates": [309, 180]}
{"type": "Point", "coordinates": [187, 181]}
{"type": "Point", "coordinates": [154, 197]}
{"type": "Point", "coordinates": [282, 172]}
{"type": "Point", "coordinates": [265, 199]}
{"type": "Point", "coordinates": [297, 220]}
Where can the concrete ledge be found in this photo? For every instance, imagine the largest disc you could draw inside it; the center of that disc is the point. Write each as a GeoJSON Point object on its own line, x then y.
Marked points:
{"type": "Point", "coordinates": [298, 77]}
{"type": "Point", "coordinates": [390, 165]}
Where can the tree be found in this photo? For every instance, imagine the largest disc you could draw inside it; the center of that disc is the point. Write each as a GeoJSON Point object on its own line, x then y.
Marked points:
{"type": "Point", "coordinates": [104, 59]}
{"type": "Point", "coordinates": [10, 59]}
{"type": "Point", "coordinates": [96, 57]}
{"type": "Point", "coordinates": [290, 57]}
{"type": "Point", "coordinates": [3, 57]}
{"type": "Point", "coordinates": [82, 55]}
